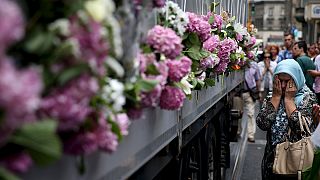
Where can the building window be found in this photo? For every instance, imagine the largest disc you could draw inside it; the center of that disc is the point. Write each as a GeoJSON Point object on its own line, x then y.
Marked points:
{"type": "Point", "coordinates": [282, 11]}
{"type": "Point", "coordinates": [270, 11]}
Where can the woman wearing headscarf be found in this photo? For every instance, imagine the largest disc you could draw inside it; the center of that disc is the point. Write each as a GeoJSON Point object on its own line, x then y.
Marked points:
{"type": "Point", "coordinates": [279, 112]}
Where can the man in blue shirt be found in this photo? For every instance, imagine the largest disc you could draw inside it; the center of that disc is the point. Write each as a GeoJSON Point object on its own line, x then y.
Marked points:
{"type": "Point", "coordinates": [287, 53]}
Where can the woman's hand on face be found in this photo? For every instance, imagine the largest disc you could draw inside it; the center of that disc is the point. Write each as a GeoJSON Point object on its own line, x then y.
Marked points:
{"type": "Point", "coordinates": [277, 90]}
{"type": "Point", "coordinates": [291, 90]}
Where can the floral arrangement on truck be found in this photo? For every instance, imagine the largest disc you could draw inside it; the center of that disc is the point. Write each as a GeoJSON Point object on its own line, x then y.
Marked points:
{"type": "Point", "coordinates": [63, 88]}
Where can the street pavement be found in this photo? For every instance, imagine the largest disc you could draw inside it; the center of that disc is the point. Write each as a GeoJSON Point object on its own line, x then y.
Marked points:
{"type": "Point", "coordinates": [246, 157]}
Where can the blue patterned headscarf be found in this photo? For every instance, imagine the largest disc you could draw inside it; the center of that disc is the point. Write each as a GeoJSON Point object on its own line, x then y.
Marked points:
{"type": "Point", "coordinates": [291, 67]}
{"type": "Point", "coordinates": [280, 126]}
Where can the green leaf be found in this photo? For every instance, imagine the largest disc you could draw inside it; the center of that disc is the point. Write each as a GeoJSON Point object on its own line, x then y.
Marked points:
{"type": "Point", "coordinates": [152, 70]}
{"type": "Point", "coordinates": [6, 175]}
{"type": "Point", "coordinates": [71, 73]}
{"type": "Point", "coordinates": [116, 129]}
{"type": "Point", "coordinates": [194, 39]}
{"type": "Point", "coordinates": [146, 85]}
{"type": "Point", "coordinates": [146, 49]}
{"type": "Point", "coordinates": [210, 82]}
{"type": "Point", "coordinates": [213, 5]}
{"type": "Point", "coordinates": [194, 53]}
{"type": "Point", "coordinates": [115, 66]}
{"type": "Point", "coordinates": [185, 36]}
{"type": "Point", "coordinates": [211, 19]}
{"type": "Point", "coordinates": [40, 140]}
{"type": "Point", "coordinates": [39, 42]}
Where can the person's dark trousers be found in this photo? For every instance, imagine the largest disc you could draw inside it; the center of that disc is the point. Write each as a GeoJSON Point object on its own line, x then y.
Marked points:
{"type": "Point", "coordinates": [318, 97]}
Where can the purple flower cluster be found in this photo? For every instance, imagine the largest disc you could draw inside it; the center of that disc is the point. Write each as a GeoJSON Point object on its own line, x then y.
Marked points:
{"type": "Point", "coordinates": [11, 23]}
{"type": "Point", "coordinates": [252, 41]}
{"type": "Point", "coordinates": [93, 46]}
{"type": "Point", "coordinates": [81, 143]}
{"type": "Point", "coordinates": [171, 98]}
{"type": "Point", "coordinates": [212, 43]}
{"type": "Point", "coordinates": [199, 26]}
{"type": "Point", "coordinates": [239, 37]}
{"type": "Point", "coordinates": [165, 40]}
{"type": "Point", "coordinates": [70, 104]}
{"type": "Point", "coordinates": [179, 68]}
{"type": "Point", "coordinates": [151, 99]}
{"type": "Point", "coordinates": [106, 140]}
{"type": "Point", "coordinates": [218, 20]}
{"type": "Point", "coordinates": [18, 162]}
{"type": "Point", "coordinates": [20, 92]}
{"type": "Point", "coordinates": [250, 55]}
{"type": "Point", "coordinates": [226, 47]}
{"type": "Point", "coordinates": [99, 137]}
{"type": "Point", "coordinates": [123, 122]}
{"type": "Point", "coordinates": [209, 62]}
{"type": "Point", "coordinates": [221, 67]}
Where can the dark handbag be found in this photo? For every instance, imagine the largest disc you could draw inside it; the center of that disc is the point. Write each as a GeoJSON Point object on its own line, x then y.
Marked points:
{"type": "Point", "coordinates": [254, 93]}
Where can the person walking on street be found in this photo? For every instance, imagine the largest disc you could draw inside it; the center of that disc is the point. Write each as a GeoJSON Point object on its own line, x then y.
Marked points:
{"type": "Point", "coordinates": [287, 53]}
{"type": "Point", "coordinates": [299, 51]}
{"type": "Point", "coordinates": [279, 112]}
{"type": "Point", "coordinates": [252, 83]}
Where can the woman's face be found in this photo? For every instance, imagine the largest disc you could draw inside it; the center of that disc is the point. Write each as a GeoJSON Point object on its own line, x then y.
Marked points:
{"type": "Point", "coordinates": [274, 51]}
{"type": "Point", "coordinates": [284, 78]}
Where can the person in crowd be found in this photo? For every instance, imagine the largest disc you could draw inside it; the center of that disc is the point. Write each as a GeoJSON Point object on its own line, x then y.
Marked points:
{"type": "Point", "coordinates": [312, 51]}
{"type": "Point", "coordinates": [287, 53]}
{"type": "Point", "coordinates": [274, 51]}
{"type": "Point", "coordinates": [266, 68]}
{"type": "Point", "coordinates": [299, 51]}
{"type": "Point", "coordinates": [280, 111]}
{"type": "Point", "coordinates": [252, 83]}
{"type": "Point", "coordinates": [316, 75]}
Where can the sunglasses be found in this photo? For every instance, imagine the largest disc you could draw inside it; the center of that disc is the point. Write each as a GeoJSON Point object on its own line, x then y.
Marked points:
{"type": "Point", "coordinates": [267, 57]}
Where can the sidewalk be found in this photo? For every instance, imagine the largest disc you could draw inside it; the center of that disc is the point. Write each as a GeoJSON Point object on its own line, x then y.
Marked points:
{"type": "Point", "coordinates": [246, 157]}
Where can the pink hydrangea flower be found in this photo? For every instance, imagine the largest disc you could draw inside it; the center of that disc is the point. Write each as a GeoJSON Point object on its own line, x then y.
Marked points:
{"type": "Point", "coordinates": [17, 163]}
{"type": "Point", "coordinates": [221, 67]}
{"type": "Point", "coordinates": [250, 55]}
{"type": "Point", "coordinates": [145, 60]}
{"type": "Point", "coordinates": [12, 24]}
{"type": "Point", "coordinates": [20, 92]}
{"type": "Point", "coordinates": [209, 62]}
{"type": "Point", "coordinates": [252, 41]}
{"type": "Point", "coordinates": [70, 104]}
{"type": "Point", "coordinates": [199, 26]}
{"type": "Point", "coordinates": [179, 68]}
{"type": "Point", "coordinates": [107, 141]}
{"type": "Point", "coordinates": [163, 73]}
{"type": "Point", "coordinates": [239, 37]}
{"type": "Point", "coordinates": [212, 43]}
{"type": "Point", "coordinates": [218, 20]}
{"type": "Point", "coordinates": [93, 46]}
{"type": "Point", "coordinates": [123, 122]}
{"type": "Point", "coordinates": [81, 143]}
{"type": "Point", "coordinates": [171, 98]}
{"type": "Point", "coordinates": [151, 99]}
{"type": "Point", "coordinates": [134, 113]}
{"type": "Point", "coordinates": [165, 40]}
{"type": "Point", "coordinates": [228, 45]}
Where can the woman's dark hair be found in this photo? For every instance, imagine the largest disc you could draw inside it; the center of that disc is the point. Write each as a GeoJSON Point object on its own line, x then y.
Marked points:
{"type": "Point", "coordinates": [302, 44]}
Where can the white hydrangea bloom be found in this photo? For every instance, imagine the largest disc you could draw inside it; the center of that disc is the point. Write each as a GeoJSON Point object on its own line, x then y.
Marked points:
{"type": "Point", "coordinates": [177, 19]}
{"type": "Point", "coordinates": [240, 29]}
